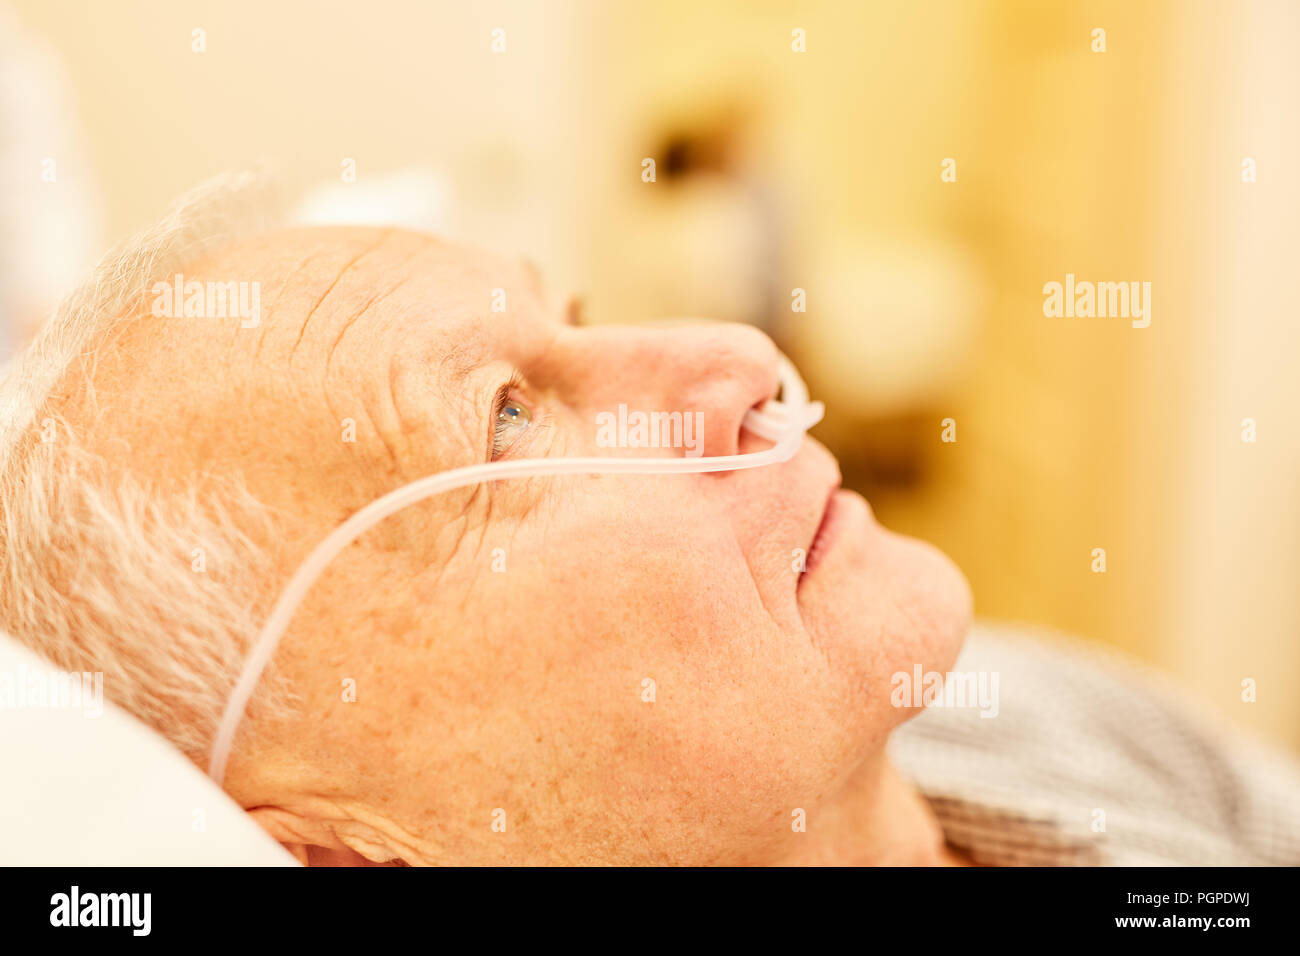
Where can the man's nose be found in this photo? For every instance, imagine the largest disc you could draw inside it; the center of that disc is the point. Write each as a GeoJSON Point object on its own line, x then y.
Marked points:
{"type": "Point", "coordinates": [718, 370]}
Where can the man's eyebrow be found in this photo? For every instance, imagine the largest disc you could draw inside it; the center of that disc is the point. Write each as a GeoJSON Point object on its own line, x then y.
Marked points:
{"type": "Point", "coordinates": [462, 358]}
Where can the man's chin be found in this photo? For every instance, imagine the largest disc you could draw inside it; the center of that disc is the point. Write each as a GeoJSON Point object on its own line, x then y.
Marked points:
{"type": "Point", "coordinates": [880, 602]}
{"type": "Point", "coordinates": [934, 599]}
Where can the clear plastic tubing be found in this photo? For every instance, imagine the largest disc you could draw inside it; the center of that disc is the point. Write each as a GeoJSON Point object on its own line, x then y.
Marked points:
{"type": "Point", "coordinates": [782, 422]}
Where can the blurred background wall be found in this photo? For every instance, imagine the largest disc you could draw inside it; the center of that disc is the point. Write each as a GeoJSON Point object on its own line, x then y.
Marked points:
{"type": "Point", "coordinates": [822, 170]}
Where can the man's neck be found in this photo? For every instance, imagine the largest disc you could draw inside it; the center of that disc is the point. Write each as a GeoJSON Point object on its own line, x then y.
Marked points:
{"type": "Point", "coordinates": [880, 820]}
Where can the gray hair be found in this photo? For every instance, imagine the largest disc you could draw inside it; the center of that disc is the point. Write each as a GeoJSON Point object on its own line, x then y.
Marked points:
{"type": "Point", "coordinates": [99, 570]}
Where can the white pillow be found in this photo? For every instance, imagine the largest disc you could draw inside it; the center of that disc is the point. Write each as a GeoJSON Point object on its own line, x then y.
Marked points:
{"type": "Point", "coordinates": [105, 790]}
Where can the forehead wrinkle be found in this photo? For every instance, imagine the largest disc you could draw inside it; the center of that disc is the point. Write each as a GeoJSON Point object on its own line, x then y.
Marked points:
{"type": "Point", "coordinates": [275, 302]}
{"type": "Point", "coordinates": [351, 320]}
{"type": "Point", "coordinates": [456, 367]}
{"type": "Point", "coordinates": [370, 248]}
{"type": "Point", "coordinates": [365, 308]}
{"type": "Point", "coordinates": [439, 364]}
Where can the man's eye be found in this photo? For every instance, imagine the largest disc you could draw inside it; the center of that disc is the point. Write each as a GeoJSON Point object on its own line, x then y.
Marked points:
{"type": "Point", "coordinates": [511, 421]}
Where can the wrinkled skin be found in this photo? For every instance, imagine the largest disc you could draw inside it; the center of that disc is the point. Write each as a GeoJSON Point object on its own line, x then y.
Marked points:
{"type": "Point", "coordinates": [516, 680]}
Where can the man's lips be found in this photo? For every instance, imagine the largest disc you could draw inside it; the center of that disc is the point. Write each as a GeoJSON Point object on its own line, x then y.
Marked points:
{"type": "Point", "coordinates": [824, 538]}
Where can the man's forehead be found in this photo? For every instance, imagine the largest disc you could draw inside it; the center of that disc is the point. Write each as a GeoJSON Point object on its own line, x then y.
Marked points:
{"type": "Point", "coordinates": [316, 284]}
{"type": "Point", "coordinates": [364, 261]}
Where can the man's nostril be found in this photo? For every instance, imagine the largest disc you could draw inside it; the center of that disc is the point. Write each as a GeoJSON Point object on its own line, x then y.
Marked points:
{"type": "Point", "coordinates": [763, 424]}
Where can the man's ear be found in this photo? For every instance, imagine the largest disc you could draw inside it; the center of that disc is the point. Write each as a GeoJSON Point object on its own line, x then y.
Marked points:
{"type": "Point", "coordinates": [317, 842]}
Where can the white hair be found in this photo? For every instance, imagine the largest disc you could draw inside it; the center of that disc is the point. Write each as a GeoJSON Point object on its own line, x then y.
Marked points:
{"type": "Point", "coordinates": [98, 568]}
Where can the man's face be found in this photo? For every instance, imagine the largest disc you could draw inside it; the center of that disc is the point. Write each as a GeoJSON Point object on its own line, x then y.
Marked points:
{"type": "Point", "coordinates": [616, 668]}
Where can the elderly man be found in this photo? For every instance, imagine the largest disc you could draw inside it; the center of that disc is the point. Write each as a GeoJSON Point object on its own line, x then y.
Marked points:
{"type": "Point", "coordinates": [573, 669]}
